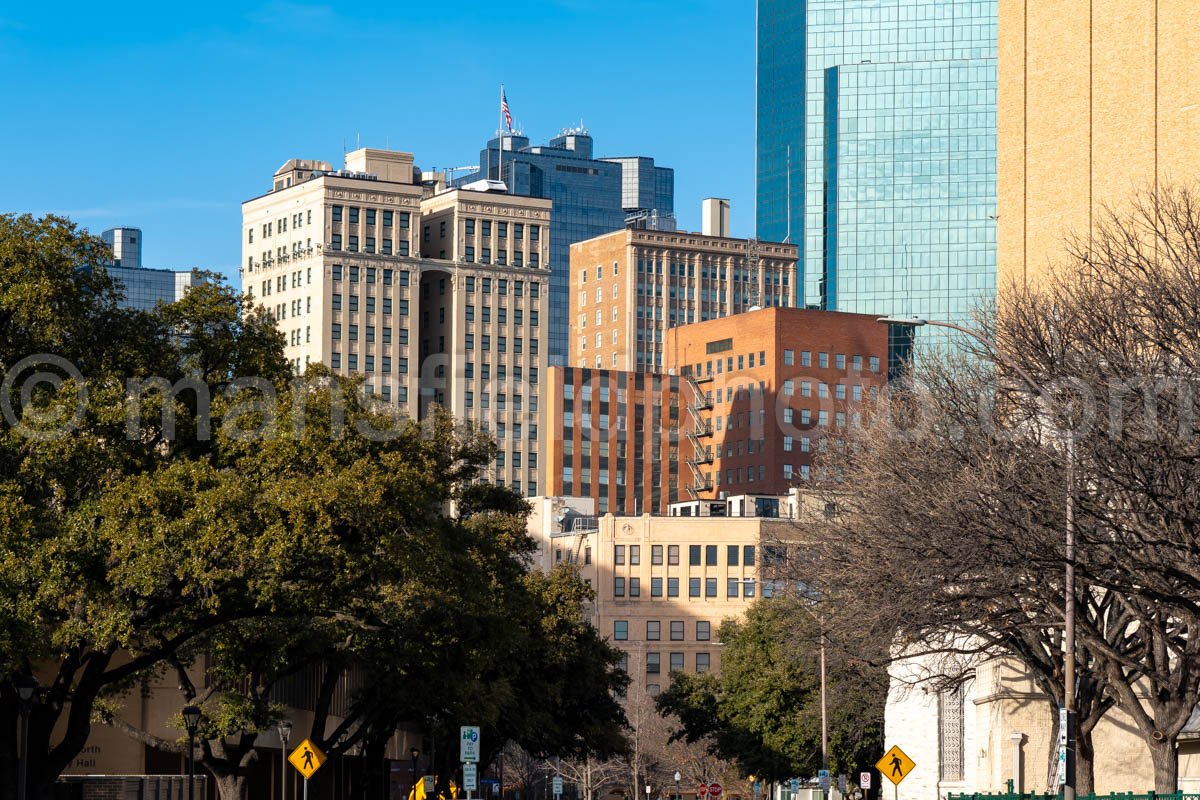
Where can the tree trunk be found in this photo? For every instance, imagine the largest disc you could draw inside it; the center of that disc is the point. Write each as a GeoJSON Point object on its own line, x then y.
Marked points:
{"type": "Point", "coordinates": [1052, 755]}
{"type": "Point", "coordinates": [1166, 765]}
{"type": "Point", "coordinates": [1085, 764]}
{"type": "Point", "coordinates": [231, 787]}
{"type": "Point", "coordinates": [373, 769]}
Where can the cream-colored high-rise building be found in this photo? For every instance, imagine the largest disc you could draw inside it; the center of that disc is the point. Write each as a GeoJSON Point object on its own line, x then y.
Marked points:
{"type": "Point", "coordinates": [1098, 99]}
{"type": "Point", "coordinates": [434, 297]}
{"type": "Point", "coordinates": [628, 287]}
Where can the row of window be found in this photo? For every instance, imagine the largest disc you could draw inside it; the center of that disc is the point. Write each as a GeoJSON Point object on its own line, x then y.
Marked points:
{"type": "Point", "coordinates": [485, 257]}
{"type": "Point", "coordinates": [502, 315]}
{"type": "Point", "coordinates": [502, 401]}
{"type": "Point", "coordinates": [371, 274]}
{"type": "Point", "coordinates": [535, 231]}
{"type": "Point", "coordinates": [368, 245]}
{"type": "Point", "coordinates": [654, 630]}
{"type": "Point", "coordinates": [281, 225]}
{"type": "Point", "coordinates": [654, 665]}
{"type": "Point", "coordinates": [485, 372]}
{"type": "Point", "coordinates": [352, 214]}
{"type": "Point", "coordinates": [369, 363]}
{"type": "Point", "coordinates": [281, 283]}
{"type": "Point", "coordinates": [839, 360]}
{"type": "Point", "coordinates": [296, 307]}
{"type": "Point", "coordinates": [485, 344]}
{"type": "Point", "coordinates": [516, 460]}
{"type": "Point", "coordinates": [772, 273]}
{"type": "Point", "coordinates": [734, 587]}
{"type": "Point", "coordinates": [518, 287]}
{"type": "Point", "coordinates": [698, 555]}
{"type": "Point", "coordinates": [353, 304]}
{"type": "Point", "coordinates": [600, 272]}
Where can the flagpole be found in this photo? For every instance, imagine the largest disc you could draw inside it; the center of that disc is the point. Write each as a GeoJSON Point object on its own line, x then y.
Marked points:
{"type": "Point", "coordinates": [500, 133]}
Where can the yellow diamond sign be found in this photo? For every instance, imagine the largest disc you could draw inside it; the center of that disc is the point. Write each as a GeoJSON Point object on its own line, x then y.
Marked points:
{"type": "Point", "coordinates": [307, 758]}
{"type": "Point", "coordinates": [895, 765]}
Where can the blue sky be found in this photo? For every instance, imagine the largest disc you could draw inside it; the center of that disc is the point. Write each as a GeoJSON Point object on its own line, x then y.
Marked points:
{"type": "Point", "coordinates": [168, 119]}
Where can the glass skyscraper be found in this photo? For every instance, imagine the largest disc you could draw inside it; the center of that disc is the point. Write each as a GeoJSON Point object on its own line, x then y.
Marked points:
{"type": "Point", "coordinates": [591, 196]}
{"type": "Point", "coordinates": [886, 111]}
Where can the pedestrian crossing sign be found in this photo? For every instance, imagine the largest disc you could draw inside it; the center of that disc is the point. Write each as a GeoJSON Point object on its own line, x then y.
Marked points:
{"type": "Point", "coordinates": [307, 759]}
{"type": "Point", "coordinates": [895, 765]}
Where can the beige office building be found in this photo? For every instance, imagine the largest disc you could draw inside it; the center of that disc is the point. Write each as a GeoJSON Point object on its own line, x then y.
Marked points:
{"type": "Point", "coordinates": [663, 584]}
{"type": "Point", "coordinates": [1098, 99]}
{"type": "Point", "coordinates": [628, 287]}
{"type": "Point", "coordinates": [434, 297]}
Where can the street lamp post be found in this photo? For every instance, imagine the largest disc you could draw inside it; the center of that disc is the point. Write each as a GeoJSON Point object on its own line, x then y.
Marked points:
{"type": "Point", "coordinates": [27, 696]}
{"type": "Point", "coordinates": [285, 732]}
{"type": "Point", "coordinates": [415, 754]}
{"type": "Point", "coordinates": [191, 721]}
{"type": "Point", "coordinates": [647, 790]}
{"type": "Point", "coordinates": [677, 777]}
{"type": "Point", "coordinates": [1069, 548]}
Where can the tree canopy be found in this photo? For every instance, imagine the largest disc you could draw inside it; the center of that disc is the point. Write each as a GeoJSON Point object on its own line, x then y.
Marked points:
{"type": "Point", "coordinates": [168, 489]}
{"type": "Point", "coordinates": [763, 711]}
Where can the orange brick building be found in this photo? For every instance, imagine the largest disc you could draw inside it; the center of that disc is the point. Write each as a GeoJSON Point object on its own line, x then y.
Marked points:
{"type": "Point", "coordinates": [744, 408]}
{"type": "Point", "coordinates": [629, 287]}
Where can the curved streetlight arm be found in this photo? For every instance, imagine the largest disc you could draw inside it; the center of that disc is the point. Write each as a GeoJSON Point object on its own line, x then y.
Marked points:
{"type": "Point", "coordinates": [917, 322]}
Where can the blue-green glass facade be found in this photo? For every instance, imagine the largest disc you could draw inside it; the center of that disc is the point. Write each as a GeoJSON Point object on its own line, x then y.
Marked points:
{"type": "Point", "coordinates": [910, 188]}
{"type": "Point", "coordinates": [893, 111]}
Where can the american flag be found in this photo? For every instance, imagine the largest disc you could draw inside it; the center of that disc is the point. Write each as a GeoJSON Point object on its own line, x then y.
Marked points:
{"type": "Point", "coordinates": [504, 110]}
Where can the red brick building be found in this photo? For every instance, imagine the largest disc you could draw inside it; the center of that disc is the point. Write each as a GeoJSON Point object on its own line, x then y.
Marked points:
{"type": "Point", "coordinates": [744, 409]}
{"type": "Point", "coordinates": [763, 390]}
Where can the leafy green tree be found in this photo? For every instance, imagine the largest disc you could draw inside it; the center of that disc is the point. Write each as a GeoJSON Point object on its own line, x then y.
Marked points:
{"type": "Point", "coordinates": [117, 547]}
{"type": "Point", "coordinates": [763, 711]}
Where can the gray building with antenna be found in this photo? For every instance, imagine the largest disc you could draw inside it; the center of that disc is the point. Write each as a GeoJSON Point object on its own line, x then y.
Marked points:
{"type": "Point", "coordinates": [591, 196]}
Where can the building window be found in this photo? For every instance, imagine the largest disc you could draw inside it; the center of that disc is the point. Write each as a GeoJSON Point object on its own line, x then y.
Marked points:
{"type": "Point", "coordinates": [635, 555]}
{"type": "Point", "coordinates": [703, 664]}
{"type": "Point", "coordinates": [951, 709]}
{"type": "Point", "coordinates": [789, 357]}
{"type": "Point", "coordinates": [710, 555]}
{"type": "Point", "coordinates": [731, 555]}
{"type": "Point", "coordinates": [653, 630]}
{"type": "Point", "coordinates": [618, 583]}
{"type": "Point", "coordinates": [619, 554]}
{"type": "Point", "coordinates": [693, 587]}
{"type": "Point", "coordinates": [677, 630]}
{"type": "Point", "coordinates": [731, 588]}
{"type": "Point", "coordinates": [694, 555]}
{"type": "Point", "coordinates": [656, 554]}
{"type": "Point", "coordinates": [635, 587]}
{"type": "Point", "coordinates": [621, 630]}
{"type": "Point", "coordinates": [673, 555]}
{"type": "Point", "coordinates": [656, 588]}
{"type": "Point", "coordinates": [710, 587]}
{"type": "Point", "coordinates": [653, 663]}
{"type": "Point", "coordinates": [704, 628]}
{"type": "Point", "coordinates": [676, 662]}
{"type": "Point", "coordinates": [672, 587]}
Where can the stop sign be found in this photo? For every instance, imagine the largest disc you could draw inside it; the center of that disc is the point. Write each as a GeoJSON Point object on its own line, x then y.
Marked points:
{"type": "Point", "coordinates": [703, 790]}
{"type": "Point", "coordinates": [714, 790]}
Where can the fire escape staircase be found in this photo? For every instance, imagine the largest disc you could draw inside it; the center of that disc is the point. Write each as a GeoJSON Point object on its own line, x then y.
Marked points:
{"type": "Point", "coordinates": [699, 430]}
